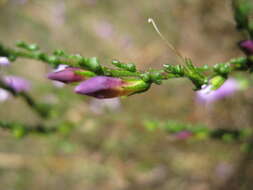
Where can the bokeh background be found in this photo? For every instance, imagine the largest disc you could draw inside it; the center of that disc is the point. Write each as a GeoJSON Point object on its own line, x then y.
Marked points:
{"type": "Point", "coordinates": [110, 148]}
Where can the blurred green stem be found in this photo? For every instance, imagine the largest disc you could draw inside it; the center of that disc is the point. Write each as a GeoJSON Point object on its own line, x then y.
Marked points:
{"type": "Point", "coordinates": [42, 110]}
{"type": "Point", "coordinates": [21, 130]}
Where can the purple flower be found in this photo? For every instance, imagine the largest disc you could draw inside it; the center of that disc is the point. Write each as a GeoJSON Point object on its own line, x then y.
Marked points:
{"type": "Point", "coordinates": [100, 87]}
{"type": "Point", "coordinates": [183, 135]}
{"type": "Point", "coordinates": [206, 95]}
{"type": "Point", "coordinates": [4, 61]}
{"type": "Point", "coordinates": [110, 87]}
{"type": "Point", "coordinates": [247, 46]}
{"type": "Point", "coordinates": [18, 84]}
{"type": "Point", "coordinates": [66, 75]}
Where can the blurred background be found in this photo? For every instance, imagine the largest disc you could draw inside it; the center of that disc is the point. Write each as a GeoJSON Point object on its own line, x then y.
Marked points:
{"type": "Point", "coordinates": [110, 147]}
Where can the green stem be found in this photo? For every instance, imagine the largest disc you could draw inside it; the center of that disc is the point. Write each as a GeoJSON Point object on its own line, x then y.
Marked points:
{"type": "Point", "coordinates": [42, 110]}
{"type": "Point", "coordinates": [20, 129]}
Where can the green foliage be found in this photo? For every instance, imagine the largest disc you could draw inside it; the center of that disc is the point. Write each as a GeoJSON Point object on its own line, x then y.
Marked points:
{"type": "Point", "coordinates": [198, 131]}
{"type": "Point", "coordinates": [125, 66]}
{"type": "Point", "coordinates": [243, 11]}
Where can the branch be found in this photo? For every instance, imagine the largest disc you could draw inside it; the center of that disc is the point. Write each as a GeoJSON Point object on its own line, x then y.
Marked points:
{"type": "Point", "coordinates": [21, 130]}
{"type": "Point", "coordinates": [185, 131]}
{"type": "Point", "coordinates": [42, 110]}
{"type": "Point", "coordinates": [122, 70]}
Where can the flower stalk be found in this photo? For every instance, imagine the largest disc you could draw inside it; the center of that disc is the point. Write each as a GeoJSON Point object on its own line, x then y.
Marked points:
{"type": "Point", "coordinates": [82, 68]}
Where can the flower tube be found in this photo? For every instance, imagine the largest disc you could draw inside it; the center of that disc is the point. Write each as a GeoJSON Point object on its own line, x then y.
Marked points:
{"type": "Point", "coordinates": [67, 75]}
{"type": "Point", "coordinates": [208, 95]}
{"type": "Point", "coordinates": [110, 87]}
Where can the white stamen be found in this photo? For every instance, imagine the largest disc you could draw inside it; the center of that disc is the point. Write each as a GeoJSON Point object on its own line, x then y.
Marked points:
{"type": "Point", "coordinates": [150, 20]}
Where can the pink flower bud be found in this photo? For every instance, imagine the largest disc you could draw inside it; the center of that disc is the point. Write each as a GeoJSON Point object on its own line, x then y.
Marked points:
{"type": "Point", "coordinates": [110, 87]}
{"type": "Point", "coordinates": [66, 75]}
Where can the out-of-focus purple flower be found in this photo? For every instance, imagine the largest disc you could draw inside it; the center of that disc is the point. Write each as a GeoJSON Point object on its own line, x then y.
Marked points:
{"type": "Point", "coordinates": [4, 95]}
{"type": "Point", "coordinates": [183, 135]}
{"type": "Point", "coordinates": [103, 29]}
{"type": "Point", "coordinates": [223, 170]}
{"type": "Point", "coordinates": [4, 61]}
{"type": "Point", "coordinates": [247, 46]}
{"type": "Point", "coordinates": [110, 87]}
{"type": "Point", "coordinates": [18, 84]}
{"type": "Point", "coordinates": [66, 75]}
{"type": "Point", "coordinates": [207, 95]}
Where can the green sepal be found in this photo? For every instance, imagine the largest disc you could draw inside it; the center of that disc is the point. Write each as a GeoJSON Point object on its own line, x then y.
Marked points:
{"type": "Point", "coordinates": [222, 68]}
{"type": "Point", "coordinates": [125, 66]}
{"type": "Point", "coordinates": [26, 46]}
{"type": "Point", "coordinates": [84, 73]}
{"type": "Point", "coordinates": [217, 81]}
{"type": "Point", "coordinates": [93, 64]}
{"type": "Point", "coordinates": [136, 85]}
{"type": "Point", "coordinates": [192, 72]}
{"type": "Point", "coordinates": [59, 52]}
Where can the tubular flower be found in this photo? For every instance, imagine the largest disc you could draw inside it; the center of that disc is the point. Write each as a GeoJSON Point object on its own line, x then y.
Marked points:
{"type": "Point", "coordinates": [109, 87]}
{"type": "Point", "coordinates": [207, 95]}
{"type": "Point", "coordinates": [247, 46]}
{"type": "Point", "coordinates": [18, 84]}
{"type": "Point", "coordinates": [67, 75]}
